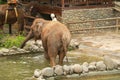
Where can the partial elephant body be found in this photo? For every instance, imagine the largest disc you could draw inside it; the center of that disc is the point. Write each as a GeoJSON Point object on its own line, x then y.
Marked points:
{"type": "Point", "coordinates": [55, 37]}
{"type": "Point", "coordinates": [11, 17]}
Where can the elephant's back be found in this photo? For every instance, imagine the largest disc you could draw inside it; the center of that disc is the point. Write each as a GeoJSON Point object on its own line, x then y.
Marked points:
{"type": "Point", "coordinates": [56, 28]}
{"type": "Point", "coordinates": [56, 25]}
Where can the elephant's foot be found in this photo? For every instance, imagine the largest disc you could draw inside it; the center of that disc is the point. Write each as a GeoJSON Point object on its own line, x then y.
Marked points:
{"type": "Point", "coordinates": [52, 62]}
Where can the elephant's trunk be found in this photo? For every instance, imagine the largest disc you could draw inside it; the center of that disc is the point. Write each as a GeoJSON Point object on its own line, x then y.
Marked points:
{"type": "Point", "coordinates": [29, 36]}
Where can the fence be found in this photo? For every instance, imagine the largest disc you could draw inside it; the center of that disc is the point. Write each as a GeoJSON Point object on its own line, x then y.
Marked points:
{"type": "Point", "coordinates": [91, 25]}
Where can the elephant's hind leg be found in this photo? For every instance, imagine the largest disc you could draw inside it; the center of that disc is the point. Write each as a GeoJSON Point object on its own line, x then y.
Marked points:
{"type": "Point", "coordinates": [61, 57]}
{"type": "Point", "coordinates": [52, 56]}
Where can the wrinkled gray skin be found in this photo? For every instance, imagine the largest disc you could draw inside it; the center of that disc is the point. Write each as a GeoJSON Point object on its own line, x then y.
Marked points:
{"type": "Point", "coordinates": [55, 38]}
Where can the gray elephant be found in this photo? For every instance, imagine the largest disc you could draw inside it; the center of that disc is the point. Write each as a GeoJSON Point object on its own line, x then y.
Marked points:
{"type": "Point", "coordinates": [55, 38]}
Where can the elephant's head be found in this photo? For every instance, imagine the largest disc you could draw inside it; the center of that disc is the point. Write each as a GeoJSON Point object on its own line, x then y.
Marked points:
{"type": "Point", "coordinates": [35, 30]}
{"type": "Point", "coordinates": [37, 26]}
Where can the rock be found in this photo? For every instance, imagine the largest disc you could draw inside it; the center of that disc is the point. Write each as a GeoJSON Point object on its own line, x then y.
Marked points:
{"type": "Point", "coordinates": [14, 48]}
{"type": "Point", "coordinates": [41, 78]}
{"type": "Point", "coordinates": [21, 50]}
{"type": "Point", "coordinates": [109, 63]}
{"type": "Point", "coordinates": [1, 53]}
{"type": "Point", "coordinates": [74, 43]}
{"type": "Point", "coordinates": [85, 69]}
{"type": "Point", "coordinates": [66, 69]}
{"type": "Point", "coordinates": [71, 69]}
{"type": "Point", "coordinates": [4, 50]}
{"type": "Point", "coordinates": [58, 70]}
{"type": "Point", "coordinates": [77, 68]}
{"type": "Point", "coordinates": [93, 63]}
{"type": "Point", "coordinates": [100, 66]}
{"type": "Point", "coordinates": [85, 64]}
{"type": "Point", "coordinates": [37, 73]}
{"type": "Point", "coordinates": [12, 51]}
{"type": "Point", "coordinates": [39, 43]}
{"type": "Point", "coordinates": [92, 67]}
{"type": "Point", "coordinates": [47, 72]}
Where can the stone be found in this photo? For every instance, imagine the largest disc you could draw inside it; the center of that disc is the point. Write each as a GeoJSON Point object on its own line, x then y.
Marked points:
{"type": "Point", "coordinates": [58, 70]}
{"type": "Point", "coordinates": [21, 50]}
{"type": "Point", "coordinates": [85, 69]}
{"type": "Point", "coordinates": [100, 66]}
{"type": "Point", "coordinates": [4, 50]}
{"type": "Point", "coordinates": [85, 64]}
{"type": "Point", "coordinates": [93, 63]}
{"type": "Point", "coordinates": [14, 48]}
{"type": "Point", "coordinates": [92, 67]}
{"type": "Point", "coordinates": [37, 73]}
{"type": "Point", "coordinates": [40, 78]}
{"type": "Point", "coordinates": [74, 43]}
{"type": "Point", "coordinates": [109, 63]}
{"type": "Point", "coordinates": [71, 69]}
{"type": "Point", "coordinates": [66, 69]}
{"type": "Point", "coordinates": [77, 68]}
{"type": "Point", "coordinates": [47, 72]}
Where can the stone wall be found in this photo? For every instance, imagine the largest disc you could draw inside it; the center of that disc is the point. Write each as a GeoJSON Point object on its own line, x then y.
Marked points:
{"type": "Point", "coordinates": [86, 14]}
{"type": "Point", "coordinates": [89, 14]}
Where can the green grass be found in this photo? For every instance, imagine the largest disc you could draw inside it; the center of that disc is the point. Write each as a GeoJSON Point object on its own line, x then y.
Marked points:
{"type": "Point", "coordinates": [8, 41]}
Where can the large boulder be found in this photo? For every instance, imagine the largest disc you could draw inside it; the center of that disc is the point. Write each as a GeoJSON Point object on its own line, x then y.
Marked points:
{"type": "Point", "coordinates": [77, 68]}
{"type": "Point", "coordinates": [92, 66]}
{"type": "Point", "coordinates": [34, 46]}
{"type": "Point", "coordinates": [66, 69]}
{"type": "Point", "coordinates": [58, 70]}
{"type": "Point", "coordinates": [100, 66]}
{"type": "Point", "coordinates": [110, 63]}
{"type": "Point", "coordinates": [47, 72]}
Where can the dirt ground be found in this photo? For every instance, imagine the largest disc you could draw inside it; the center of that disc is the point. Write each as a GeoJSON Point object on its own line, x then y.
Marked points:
{"type": "Point", "coordinates": [99, 45]}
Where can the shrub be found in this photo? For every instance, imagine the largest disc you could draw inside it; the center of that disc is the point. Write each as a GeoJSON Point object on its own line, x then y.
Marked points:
{"type": "Point", "coordinates": [8, 41]}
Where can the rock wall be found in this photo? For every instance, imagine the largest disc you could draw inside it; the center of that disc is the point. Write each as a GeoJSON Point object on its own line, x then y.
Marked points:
{"type": "Point", "coordinates": [76, 15]}
{"type": "Point", "coordinates": [86, 14]}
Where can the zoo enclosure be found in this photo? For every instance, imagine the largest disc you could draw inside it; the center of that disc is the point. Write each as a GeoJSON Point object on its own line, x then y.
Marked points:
{"type": "Point", "coordinates": [57, 6]}
{"type": "Point", "coordinates": [76, 28]}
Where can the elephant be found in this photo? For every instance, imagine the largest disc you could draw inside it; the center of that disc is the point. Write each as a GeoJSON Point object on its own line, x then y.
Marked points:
{"type": "Point", "coordinates": [55, 38]}
{"type": "Point", "coordinates": [11, 18]}
{"type": "Point", "coordinates": [15, 16]}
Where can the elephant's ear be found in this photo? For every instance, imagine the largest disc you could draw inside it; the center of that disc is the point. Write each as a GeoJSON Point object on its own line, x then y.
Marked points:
{"type": "Point", "coordinates": [40, 24]}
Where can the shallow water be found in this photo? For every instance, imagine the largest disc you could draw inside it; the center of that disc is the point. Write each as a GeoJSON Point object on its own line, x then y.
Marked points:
{"type": "Point", "coordinates": [21, 67]}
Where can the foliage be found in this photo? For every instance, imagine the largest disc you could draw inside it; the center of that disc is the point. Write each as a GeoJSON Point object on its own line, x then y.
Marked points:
{"type": "Point", "coordinates": [8, 41]}
{"type": "Point", "coordinates": [3, 1]}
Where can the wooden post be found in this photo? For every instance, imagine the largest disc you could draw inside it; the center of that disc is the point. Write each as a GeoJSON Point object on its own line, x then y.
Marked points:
{"type": "Point", "coordinates": [63, 4]}
{"type": "Point", "coordinates": [117, 27]}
